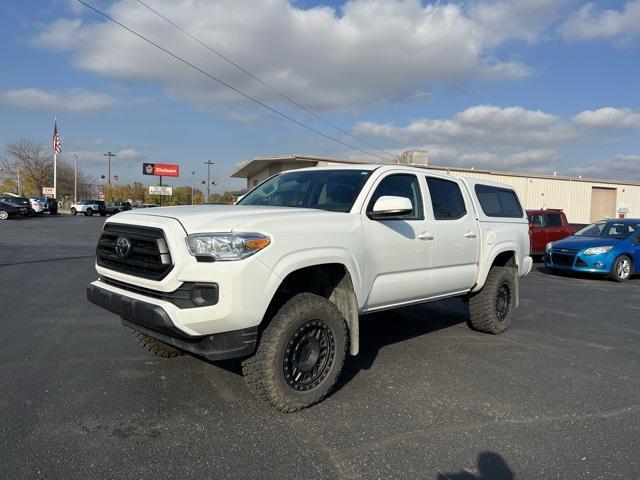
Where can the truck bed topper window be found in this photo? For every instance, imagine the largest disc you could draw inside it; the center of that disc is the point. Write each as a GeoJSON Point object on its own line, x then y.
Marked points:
{"type": "Point", "coordinates": [498, 202]}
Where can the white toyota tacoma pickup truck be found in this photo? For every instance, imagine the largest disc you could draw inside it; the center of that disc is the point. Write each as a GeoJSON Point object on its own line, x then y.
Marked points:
{"type": "Point", "coordinates": [282, 278]}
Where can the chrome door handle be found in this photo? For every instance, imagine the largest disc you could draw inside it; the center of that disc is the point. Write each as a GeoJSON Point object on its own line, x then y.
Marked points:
{"type": "Point", "coordinates": [470, 235]}
{"type": "Point", "coordinates": [425, 236]}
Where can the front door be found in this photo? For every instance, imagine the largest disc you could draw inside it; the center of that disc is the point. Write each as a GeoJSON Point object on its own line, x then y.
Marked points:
{"type": "Point", "coordinates": [399, 251]}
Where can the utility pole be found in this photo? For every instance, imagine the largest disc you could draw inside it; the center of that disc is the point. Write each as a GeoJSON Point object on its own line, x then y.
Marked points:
{"type": "Point", "coordinates": [75, 180]}
{"type": "Point", "coordinates": [208, 163]}
{"type": "Point", "coordinates": [18, 168]}
{"type": "Point", "coordinates": [109, 154]}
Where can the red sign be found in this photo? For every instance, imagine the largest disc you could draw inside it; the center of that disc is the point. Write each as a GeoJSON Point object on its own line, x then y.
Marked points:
{"type": "Point", "coordinates": [161, 169]}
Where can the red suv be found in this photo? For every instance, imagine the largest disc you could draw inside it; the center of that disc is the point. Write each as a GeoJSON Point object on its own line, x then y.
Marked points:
{"type": "Point", "coordinates": [547, 226]}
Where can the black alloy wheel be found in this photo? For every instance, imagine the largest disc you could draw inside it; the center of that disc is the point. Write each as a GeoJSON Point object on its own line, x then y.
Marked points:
{"type": "Point", "coordinates": [309, 355]}
{"type": "Point", "coordinates": [503, 301]}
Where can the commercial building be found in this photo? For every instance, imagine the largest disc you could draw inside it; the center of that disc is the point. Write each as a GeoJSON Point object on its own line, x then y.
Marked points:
{"type": "Point", "coordinates": [584, 200]}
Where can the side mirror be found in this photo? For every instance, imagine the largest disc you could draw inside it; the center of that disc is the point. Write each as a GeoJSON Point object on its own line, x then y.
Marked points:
{"type": "Point", "coordinates": [531, 226]}
{"type": "Point", "coordinates": [390, 207]}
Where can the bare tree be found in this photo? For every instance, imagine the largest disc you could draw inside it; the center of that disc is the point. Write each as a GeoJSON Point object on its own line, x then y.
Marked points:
{"type": "Point", "coordinates": [35, 162]}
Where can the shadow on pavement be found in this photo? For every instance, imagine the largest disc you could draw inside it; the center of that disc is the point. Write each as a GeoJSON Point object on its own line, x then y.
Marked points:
{"type": "Point", "coordinates": [491, 466]}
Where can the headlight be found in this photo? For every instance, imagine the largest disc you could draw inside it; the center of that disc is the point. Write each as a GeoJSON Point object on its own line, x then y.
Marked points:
{"type": "Point", "coordinates": [548, 247]}
{"type": "Point", "coordinates": [597, 250]}
{"type": "Point", "coordinates": [226, 246]}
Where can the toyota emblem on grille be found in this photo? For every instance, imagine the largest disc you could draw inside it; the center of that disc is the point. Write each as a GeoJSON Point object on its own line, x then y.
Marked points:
{"type": "Point", "coordinates": [123, 247]}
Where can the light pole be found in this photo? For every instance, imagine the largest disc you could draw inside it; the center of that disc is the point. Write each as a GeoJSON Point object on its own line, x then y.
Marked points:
{"type": "Point", "coordinates": [192, 174]}
{"type": "Point", "coordinates": [109, 154]}
{"type": "Point", "coordinates": [75, 179]}
{"type": "Point", "coordinates": [208, 163]}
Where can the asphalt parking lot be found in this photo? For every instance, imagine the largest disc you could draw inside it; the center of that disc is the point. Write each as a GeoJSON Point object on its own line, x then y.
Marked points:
{"type": "Point", "coordinates": [557, 396]}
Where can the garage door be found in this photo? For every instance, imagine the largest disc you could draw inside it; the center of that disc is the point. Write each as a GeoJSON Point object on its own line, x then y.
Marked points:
{"type": "Point", "coordinates": [603, 203]}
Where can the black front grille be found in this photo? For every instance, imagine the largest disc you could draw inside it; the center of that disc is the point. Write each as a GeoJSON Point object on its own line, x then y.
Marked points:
{"type": "Point", "coordinates": [148, 256]}
{"type": "Point", "coordinates": [562, 259]}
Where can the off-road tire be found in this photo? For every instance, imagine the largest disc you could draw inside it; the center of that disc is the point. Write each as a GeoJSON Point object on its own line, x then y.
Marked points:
{"type": "Point", "coordinates": [155, 346]}
{"type": "Point", "coordinates": [74, 211]}
{"type": "Point", "coordinates": [487, 313]}
{"type": "Point", "coordinates": [618, 271]}
{"type": "Point", "coordinates": [266, 371]}
{"type": "Point", "coordinates": [89, 212]}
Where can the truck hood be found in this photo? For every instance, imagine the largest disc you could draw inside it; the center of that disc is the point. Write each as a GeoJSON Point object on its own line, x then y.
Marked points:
{"type": "Point", "coordinates": [580, 243]}
{"type": "Point", "coordinates": [223, 218]}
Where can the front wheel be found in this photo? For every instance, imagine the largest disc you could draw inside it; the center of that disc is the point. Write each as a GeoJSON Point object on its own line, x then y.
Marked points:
{"type": "Point", "coordinates": [491, 309]}
{"type": "Point", "coordinates": [89, 212]}
{"type": "Point", "coordinates": [300, 354]}
{"type": "Point", "coordinates": [4, 214]}
{"type": "Point", "coordinates": [74, 211]}
{"type": "Point", "coordinates": [621, 270]}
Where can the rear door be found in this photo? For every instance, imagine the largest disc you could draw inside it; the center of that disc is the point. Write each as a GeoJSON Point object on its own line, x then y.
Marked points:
{"type": "Point", "coordinates": [554, 226]}
{"type": "Point", "coordinates": [456, 236]}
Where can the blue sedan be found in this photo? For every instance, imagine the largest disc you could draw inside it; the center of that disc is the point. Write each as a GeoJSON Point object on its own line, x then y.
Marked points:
{"type": "Point", "coordinates": [610, 247]}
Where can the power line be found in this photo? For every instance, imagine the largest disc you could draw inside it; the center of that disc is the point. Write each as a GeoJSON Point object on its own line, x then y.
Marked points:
{"type": "Point", "coordinates": [231, 87]}
{"type": "Point", "coordinates": [259, 80]}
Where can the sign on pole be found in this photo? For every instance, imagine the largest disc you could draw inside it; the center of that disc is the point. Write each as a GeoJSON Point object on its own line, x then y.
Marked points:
{"type": "Point", "coordinates": [48, 191]}
{"type": "Point", "coordinates": [158, 190]}
{"type": "Point", "coordinates": [161, 170]}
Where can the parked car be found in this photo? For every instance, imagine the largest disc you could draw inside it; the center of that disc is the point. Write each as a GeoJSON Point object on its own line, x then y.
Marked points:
{"type": "Point", "coordinates": [117, 207]}
{"type": "Point", "coordinates": [147, 205]}
{"type": "Point", "coordinates": [281, 278]}
{"type": "Point", "coordinates": [19, 202]}
{"type": "Point", "coordinates": [89, 207]}
{"type": "Point", "coordinates": [37, 206]}
{"type": "Point", "coordinates": [610, 247]}
{"type": "Point", "coordinates": [548, 225]}
{"type": "Point", "coordinates": [50, 204]}
{"type": "Point", "coordinates": [11, 210]}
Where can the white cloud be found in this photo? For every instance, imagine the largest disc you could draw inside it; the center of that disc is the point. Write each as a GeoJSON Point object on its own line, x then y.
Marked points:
{"type": "Point", "coordinates": [502, 20]}
{"type": "Point", "coordinates": [626, 167]}
{"type": "Point", "coordinates": [592, 23]}
{"type": "Point", "coordinates": [71, 100]}
{"type": "Point", "coordinates": [608, 117]}
{"type": "Point", "coordinates": [479, 125]}
{"type": "Point", "coordinates": [368, 52]}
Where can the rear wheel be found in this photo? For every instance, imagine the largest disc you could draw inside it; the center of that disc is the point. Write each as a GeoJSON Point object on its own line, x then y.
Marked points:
{"type": "Point", "coordinates": [300, 354]}
{"type": "Point", "coordinates": [89, 212]}
{"type": "Point", "coordinates": [4, 214]}
{"type": "Point", "coordinates": [74, 211]}
{"type": "Point", "coordinates": [155, 346]}
{"type": "Point", "coordinates": [491, 309]}
{"type": "Point", "coordinates": [621, 270]}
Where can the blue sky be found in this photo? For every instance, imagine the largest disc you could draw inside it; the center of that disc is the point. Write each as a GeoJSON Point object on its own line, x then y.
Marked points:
{"type": "Point", "coordinates": [528, 85]}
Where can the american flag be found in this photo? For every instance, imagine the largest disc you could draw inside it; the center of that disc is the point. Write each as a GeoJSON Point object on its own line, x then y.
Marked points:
{"type": "Point", "coordinates": [57, 146]}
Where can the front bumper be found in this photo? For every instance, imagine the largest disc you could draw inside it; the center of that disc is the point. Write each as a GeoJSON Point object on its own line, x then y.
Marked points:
{"type": "Point", "coordinates": [580, 263]}
{"type": "Point", "coordinates": [154, 320]}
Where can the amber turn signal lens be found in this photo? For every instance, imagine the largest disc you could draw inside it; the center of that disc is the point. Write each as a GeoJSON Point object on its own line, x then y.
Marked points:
{"type": "Point", "coordinates": [258, 243]}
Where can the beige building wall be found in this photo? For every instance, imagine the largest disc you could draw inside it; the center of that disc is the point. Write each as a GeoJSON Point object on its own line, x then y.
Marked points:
{"type": "Point", "coordinates": [265, 173]}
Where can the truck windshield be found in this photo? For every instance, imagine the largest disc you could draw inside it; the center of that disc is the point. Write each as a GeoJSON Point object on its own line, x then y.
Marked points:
{"type": "Point", "coordinates": [611, 229]}
{"type": "Point", "coordinates": [333, 190]}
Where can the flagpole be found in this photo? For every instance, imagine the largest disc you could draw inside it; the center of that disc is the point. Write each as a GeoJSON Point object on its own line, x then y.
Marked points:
{"type": "Point", "coordinates": [55, 168]}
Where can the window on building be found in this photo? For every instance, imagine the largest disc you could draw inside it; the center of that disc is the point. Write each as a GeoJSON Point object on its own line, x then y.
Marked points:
{"type": "Point", "coordinates": [446, 199]}
{"type": "Point", "coordinates": [400, 185]}
{"type": "Point", "coordinates": [498, 202]}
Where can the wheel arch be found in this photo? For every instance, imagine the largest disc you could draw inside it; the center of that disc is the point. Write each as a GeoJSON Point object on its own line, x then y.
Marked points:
{"type": "Point", "coordinates": [331, 280]}
{"type": "Point", "coordinates": [503, 255]}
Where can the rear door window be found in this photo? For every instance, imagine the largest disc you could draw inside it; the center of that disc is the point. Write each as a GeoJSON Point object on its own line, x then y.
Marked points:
{"type": "Point", "coordinates": [498, 202]}
{"type": "Point", "coordinates": [446, 199]}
